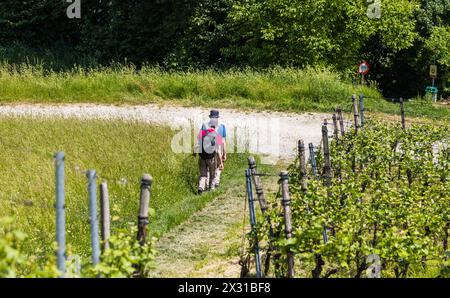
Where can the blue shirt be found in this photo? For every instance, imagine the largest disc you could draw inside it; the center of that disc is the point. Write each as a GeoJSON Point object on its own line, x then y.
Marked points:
{"type": "Point", "coordinates": [222, 131]}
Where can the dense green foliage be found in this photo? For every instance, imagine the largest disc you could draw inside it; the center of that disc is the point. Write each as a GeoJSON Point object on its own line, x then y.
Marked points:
{"type": "Point", "coordinates": [389, 196]}
{"type": "Point", "coordinates": [10, 256]}
{"type": "Point", "coordinates": [124, 258]}
{"type": "Point", "coordinates": [409, 36]}
{"type": "Point", "coordinates": [313, 32]}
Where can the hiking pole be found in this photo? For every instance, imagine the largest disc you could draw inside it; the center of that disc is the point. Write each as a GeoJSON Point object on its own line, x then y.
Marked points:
{"type": "Point", "coordinates": [253, 221]}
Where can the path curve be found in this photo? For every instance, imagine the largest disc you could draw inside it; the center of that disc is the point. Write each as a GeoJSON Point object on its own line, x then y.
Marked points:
{"type": "Point", "coordinates": [272, 135]}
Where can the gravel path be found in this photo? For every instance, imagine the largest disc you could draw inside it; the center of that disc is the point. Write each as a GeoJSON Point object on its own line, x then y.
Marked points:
{"type": "Point", "coordinates": [272, 135]}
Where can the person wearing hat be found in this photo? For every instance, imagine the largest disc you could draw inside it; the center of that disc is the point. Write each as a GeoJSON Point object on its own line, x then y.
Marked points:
{"type": "Point", "coordinates": [222, 150]}
{"type": "Point", "coordinates": [207, 146]}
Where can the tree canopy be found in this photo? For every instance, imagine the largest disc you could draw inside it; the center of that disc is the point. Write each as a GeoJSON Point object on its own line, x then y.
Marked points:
{"type": "Point", "coordinates": [408, 36]}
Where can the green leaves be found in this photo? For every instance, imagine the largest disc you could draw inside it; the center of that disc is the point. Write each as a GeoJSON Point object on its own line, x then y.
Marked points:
{"type": "Point", "coordinates": [372, 208]}
{"type": "Point", "coordinates": [10, 255]}
{"type": "Point", "coordinates": [439, 45]}
{"type": "Point", "coordinates": [308, 32]}
{"type": "Point", "coordinates": [125, 257]}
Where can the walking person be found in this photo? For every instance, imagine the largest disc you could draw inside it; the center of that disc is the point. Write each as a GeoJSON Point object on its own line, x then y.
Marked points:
{"type": "Point", "coordinates": [221, 156]}
{"type": "Point", "coordinates": [208, 142]}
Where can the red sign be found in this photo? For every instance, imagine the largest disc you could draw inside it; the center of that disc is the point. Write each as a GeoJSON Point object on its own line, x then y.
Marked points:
{"type": "Point", "coordinates": [364, 67]}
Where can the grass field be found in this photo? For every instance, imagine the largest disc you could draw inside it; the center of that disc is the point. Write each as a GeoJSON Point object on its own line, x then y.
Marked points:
{"type": "Point", "coordinates": [274, 89]}
{"type": "Point", "coordinates": [120, 152]}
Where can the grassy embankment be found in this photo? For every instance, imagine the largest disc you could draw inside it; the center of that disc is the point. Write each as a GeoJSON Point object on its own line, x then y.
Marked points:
{"type": "Point", "coordinates": [120, 152]}
{"type": "Point", "coordinates": [275, 89]}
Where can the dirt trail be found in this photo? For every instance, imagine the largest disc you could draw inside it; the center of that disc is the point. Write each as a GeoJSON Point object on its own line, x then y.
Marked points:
{"type": "Point", "coordinates": [208, 243]}
{"type": "Point", "coordinates": [272, 135]}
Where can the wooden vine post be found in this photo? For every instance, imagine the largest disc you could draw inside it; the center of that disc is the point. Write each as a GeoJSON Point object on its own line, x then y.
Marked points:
{"type": "Point", "coordinates": [402, 111]}
{"type": "Point", "coordinates": [341, 121]}
{"type": "Point", "coordinates": [258, 185]}
{"type": "Point", "coordinates": [302, 162]}
{"type": "Point", "coordinates": [355, 113]}
{"type": "Point", "coordinates": [326, 154]}
{"type": "Point", "coordinates": [335, 128]}
{"type": "Point", "coordinates": [327, 177]}
{"type": "Point", "coordinates": [105, 215]}
{"type": "Point", "coordinates": [144, 201]}
{"type": "Point", "coordinates": [286, 202]}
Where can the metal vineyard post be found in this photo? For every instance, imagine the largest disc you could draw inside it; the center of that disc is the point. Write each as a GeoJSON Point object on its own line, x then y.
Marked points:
{"type": "Point", "coordinates": [93, 217]}
{"type": "Point", "coordinates": [60, 213]}
{"type": "Point", "coordinates": [253, 221]}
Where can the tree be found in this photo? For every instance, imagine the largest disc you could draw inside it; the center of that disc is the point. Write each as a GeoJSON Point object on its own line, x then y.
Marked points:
{"type": "Point", "coordinates": [133, 30]}
{"type": "Point", "coordinates": [439, 46]}
{"type": "Point", "coordinates": [206, 34]}
{"type": "Point", "coordinates": [312, 32]}
{"type": "Point", "coordinates": [41, 23]}
{"type": "Point", "coordinates": [405, 72]}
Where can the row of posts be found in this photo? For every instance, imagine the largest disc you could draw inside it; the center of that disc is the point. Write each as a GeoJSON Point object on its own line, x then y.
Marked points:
{"type": "Point", "coordinates": [252, 176]}
{"type": "Point", "coordinates": [143, 221]}
{"type": "Point", "coordinates": [357, 115]}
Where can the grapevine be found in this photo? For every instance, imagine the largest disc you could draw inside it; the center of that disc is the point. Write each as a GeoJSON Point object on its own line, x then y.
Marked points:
{"type": "Point", "coordinates": [389, 197]}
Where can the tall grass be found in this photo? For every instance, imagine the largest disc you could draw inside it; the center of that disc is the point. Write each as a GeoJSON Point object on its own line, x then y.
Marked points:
{"type": "Point", "coordinates": [120, 152]}
{"type": "Point", "coordinates": [281, 89]}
